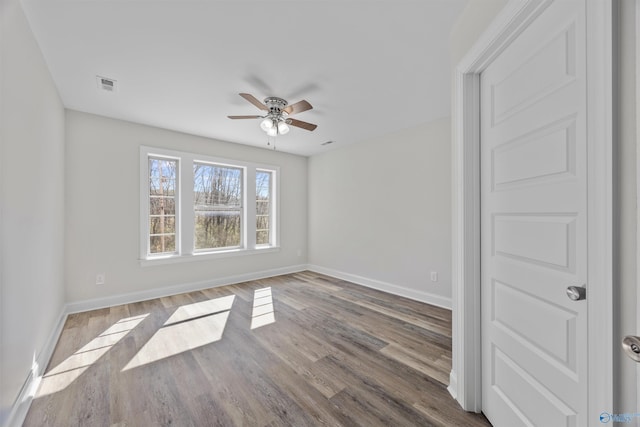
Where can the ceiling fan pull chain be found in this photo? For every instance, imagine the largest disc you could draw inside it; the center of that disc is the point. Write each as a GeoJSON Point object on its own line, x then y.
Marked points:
{"type": "Point", "coordinates": [269, 140]}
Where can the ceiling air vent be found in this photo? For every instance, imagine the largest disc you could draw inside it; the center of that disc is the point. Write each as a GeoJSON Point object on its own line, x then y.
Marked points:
{"type": "Point", "coordinates": [106, 84]}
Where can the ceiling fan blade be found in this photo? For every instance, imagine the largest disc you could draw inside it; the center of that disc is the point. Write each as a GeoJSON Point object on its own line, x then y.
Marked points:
{"type": "Point", "coordinates": [298, 107]}
{"type": "Point", "coordinates": [252, 99]}
{"type": "Point", "coordinates": [301, 124]}
{"type": "Point", "coordinates": [245, 117]}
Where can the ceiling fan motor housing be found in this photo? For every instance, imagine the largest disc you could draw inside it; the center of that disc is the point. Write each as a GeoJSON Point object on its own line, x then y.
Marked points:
{"type": "Point", "coordinates": [275, 104]}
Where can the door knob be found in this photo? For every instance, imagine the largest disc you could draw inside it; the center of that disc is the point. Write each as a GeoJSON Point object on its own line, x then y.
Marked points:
{"type": "Point", "coordinates": [631, 346]}
{"type": "Point", "coordinates": [577, 293]}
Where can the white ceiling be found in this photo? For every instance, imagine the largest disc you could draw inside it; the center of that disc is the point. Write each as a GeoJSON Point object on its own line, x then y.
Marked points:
{"type": "Point", "coordinates": [367, 67]}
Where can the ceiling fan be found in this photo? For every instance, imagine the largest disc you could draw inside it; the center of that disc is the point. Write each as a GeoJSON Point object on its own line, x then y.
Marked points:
{"type": "Point", "coordinates": [276, 120]}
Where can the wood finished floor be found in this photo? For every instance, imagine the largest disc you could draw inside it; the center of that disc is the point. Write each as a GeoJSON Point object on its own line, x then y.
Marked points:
{"type": "Point", "coordinates": [337, 354]}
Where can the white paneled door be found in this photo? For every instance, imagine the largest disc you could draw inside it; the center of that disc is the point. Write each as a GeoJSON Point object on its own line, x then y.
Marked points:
{"type": "Point", "coordinates": [534, 224]}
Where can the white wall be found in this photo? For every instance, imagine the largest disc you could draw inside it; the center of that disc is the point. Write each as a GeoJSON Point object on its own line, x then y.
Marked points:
{"type": "Point", "coordinates": [32, 203]}
{"type": "Point", "coordinates": [474, 19]}
{"type": "Point", "coordinates": [379, 212]}
{"type": "Point", "coordinates": [102, 209]}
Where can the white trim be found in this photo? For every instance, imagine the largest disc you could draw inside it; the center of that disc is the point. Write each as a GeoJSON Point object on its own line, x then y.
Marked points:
{"type": "Point", "coordinates": [600, 205]}
{"type": "Point", "coordinates": [184, 204]}
{"type": "Point", "coordinates": [143, 245]}
{"type": "Point", "coordinates": [402, 291]}
{"type": "Point", "coordinates": [144, 196]}
{"type": "Point", "coordinates": [452, 388]}
{"type": "Point", "coordinates": [23, 401]}
{"type": "Point", "coordinates": [274, 223]}
{"type": "Point", "coordinates": [514, 17]}
{"type": "Point", "coordinates": [249, 193]}
{"type": "Point", "coordinates": [637, 192]}
{"type": "Point", "coordinates": [97, 303]}
{"type": "Point", "coordinates": [205, 256]}
{"type": "Point", "coordinates": [465, 379]}
{"type": "Point", "coordinates": [466, 375]}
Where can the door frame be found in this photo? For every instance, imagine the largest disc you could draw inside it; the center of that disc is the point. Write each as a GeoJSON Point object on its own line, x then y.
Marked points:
{"type": "Point", "coordinates": [466, 374]}
{"type": "Point", "coordinates": [637, 31]}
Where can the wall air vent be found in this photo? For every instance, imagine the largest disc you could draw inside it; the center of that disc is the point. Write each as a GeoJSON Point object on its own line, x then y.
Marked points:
{"type": "Point", "coordinates": [106, 84]}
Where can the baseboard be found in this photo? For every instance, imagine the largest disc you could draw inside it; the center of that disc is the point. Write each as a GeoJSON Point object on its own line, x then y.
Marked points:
{"type": "Point", "coordinates": [128, 298]}
{"type": "Point", "coordinates": [453, 385]}
{"type": "Point", "coordinates": [413, 294]}
{"type": "Point", "coordinates": [22, 403]}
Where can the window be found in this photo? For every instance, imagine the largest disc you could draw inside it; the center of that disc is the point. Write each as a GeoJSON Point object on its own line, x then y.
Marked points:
{"type": "Point", "coordinates": [195, 206]}
{"type": "Point", "coordinates": [162, 205]}
{"type": "Point", "coordinates": [263, 207]}
{"type": "Point", "coordinates": [217, 206]}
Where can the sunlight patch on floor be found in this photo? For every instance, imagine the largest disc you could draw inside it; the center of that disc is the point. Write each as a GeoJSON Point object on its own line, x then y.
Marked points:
{"type": "Point", "coordinates": [72, 367]}
{"type": "Point", "coordinates": [263, 313]}
{"type": "Point", "coordinates": [189, 327]}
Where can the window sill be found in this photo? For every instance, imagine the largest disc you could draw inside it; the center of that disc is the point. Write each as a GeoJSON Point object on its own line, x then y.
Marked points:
{"type": "Point", "coordinates": [205, 256]}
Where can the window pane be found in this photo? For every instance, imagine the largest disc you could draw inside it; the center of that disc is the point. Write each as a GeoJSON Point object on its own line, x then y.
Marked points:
{"type": "Point", "coordinates": [163, 243]}
{"type": "Point", "coordinates": [168, 187]}
{"type": "Point", "coordinates": [262, 237]}
{"type": "Point", "coordinates": [217, 229]}
{"type": "Point", "coordinates": [154, 187]}
{"type": "Point", "coordinates": [217, 206]}
{"type": "Point", "coordinates": [262, 222]}
{"type": "Point", "coordinates": [162, 225]}
{"type": "Point", "coordinates": [162, 205]}
{"type": "Point", "coordinates": [263, 185]}
{"type": "Point", "coordinates": [263, 207]}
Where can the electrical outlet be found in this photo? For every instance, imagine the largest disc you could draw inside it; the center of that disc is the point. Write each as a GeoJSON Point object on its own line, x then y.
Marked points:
{"type": "Point", "coordinates": [100, 278]}
{"type": "Point", "coordinates": [434, 276]}
{"type": "Point", "coordinates": [299, 252]}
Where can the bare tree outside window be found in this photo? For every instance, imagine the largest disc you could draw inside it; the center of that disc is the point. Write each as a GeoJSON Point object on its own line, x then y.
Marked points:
{"type": "Point", "coordinates": [228, 218]}
{"type": "Point", "coordinates": [263, 207]}
{"type": "Point", "coordinates": [217, 206]}
{"type": "Point", "coordinates": [162, 205]}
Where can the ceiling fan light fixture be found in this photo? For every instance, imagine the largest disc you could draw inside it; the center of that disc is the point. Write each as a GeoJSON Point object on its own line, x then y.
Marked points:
{"type": "Point", "coordinates": [272, 131]}
{"type": "Point", "coordinates": [266, 124]}
{"type": "Point", "coordinates": [283, 128]}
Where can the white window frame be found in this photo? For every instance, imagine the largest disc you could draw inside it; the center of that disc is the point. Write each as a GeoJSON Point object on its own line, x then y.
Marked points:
{"type": "Point", "coordinates": [185, 218]}
{"type": "Point", "coordinates": [273, 202]}
{"type": "Point", "coordinates": [146, 222]}
{"type": "Point", "coordinates": [243, 207]}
